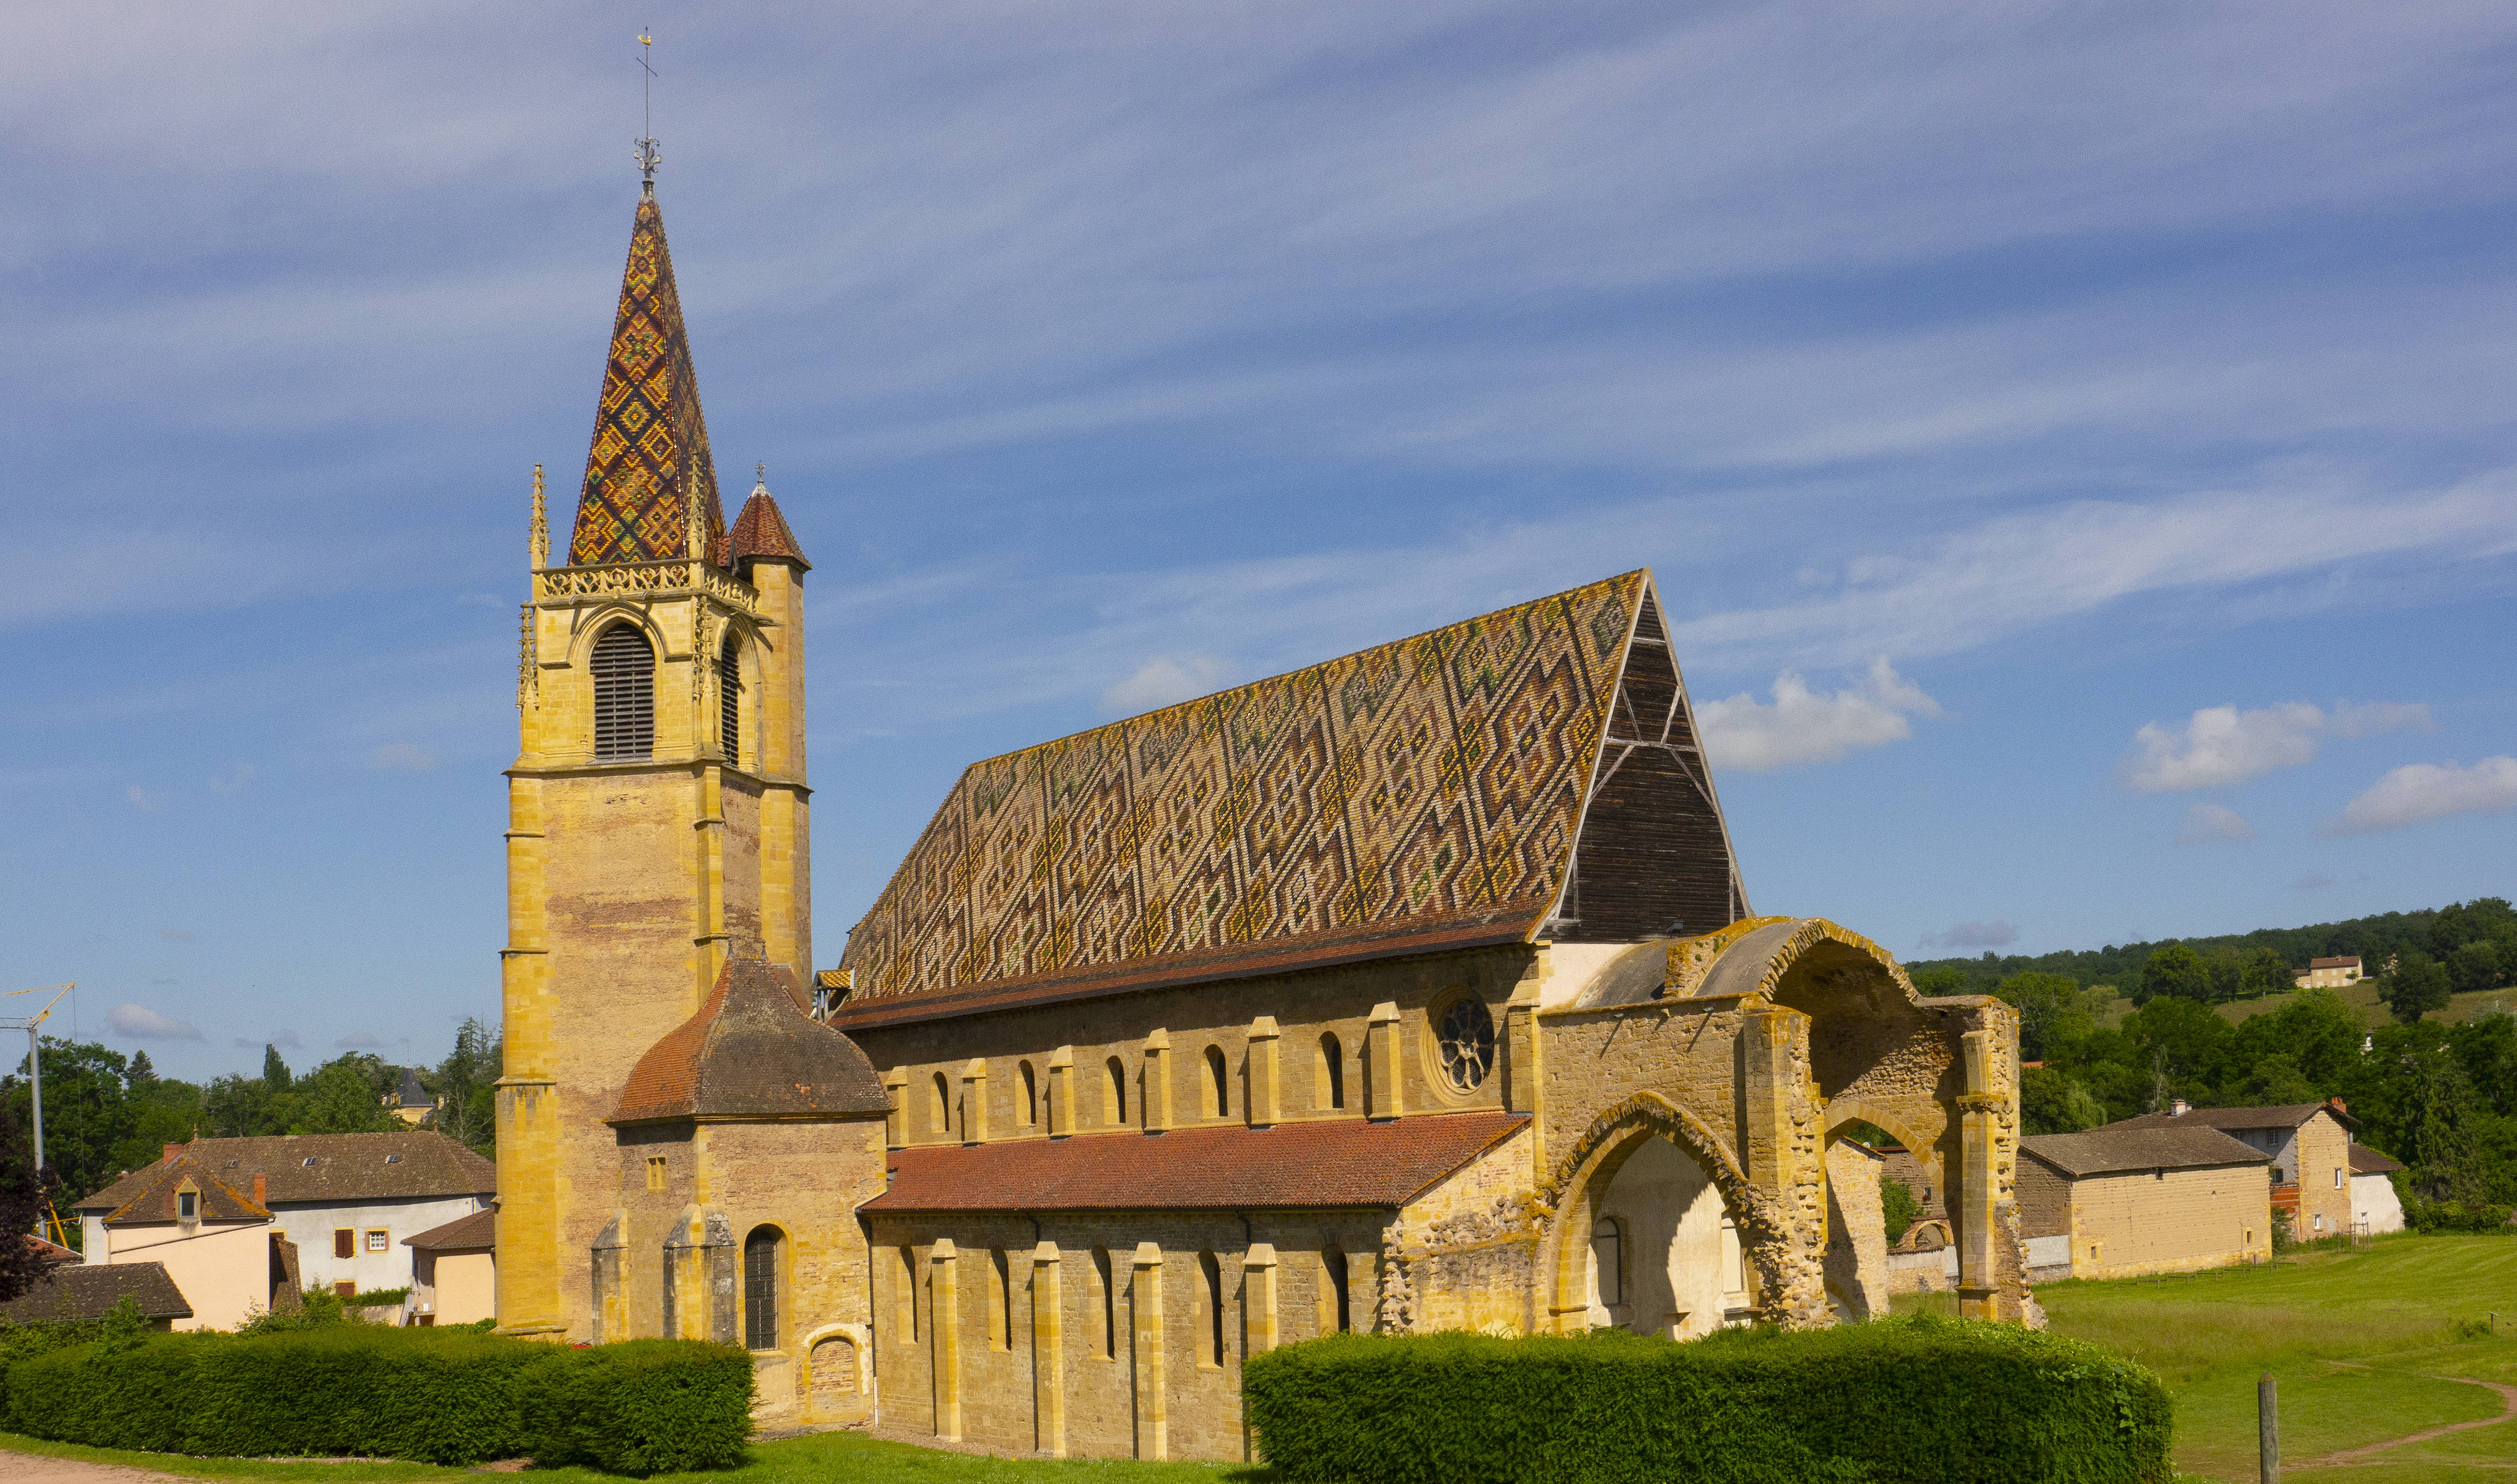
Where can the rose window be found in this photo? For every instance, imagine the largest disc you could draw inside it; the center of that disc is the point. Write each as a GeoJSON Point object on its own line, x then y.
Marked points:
{"type": "Point", "coordinates": [1467, 1041]}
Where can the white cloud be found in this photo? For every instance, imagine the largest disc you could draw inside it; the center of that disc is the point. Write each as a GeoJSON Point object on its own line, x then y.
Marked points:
{"type": "Point", "coordinates": [234, 781]}
{"type": "Point", "coordinates": [144, 800]}
{"type": "Point", "coordinates": [1801, 726]}
{"type": "Point", "coordinates": [358, 1040]}
{"type": "Point", "coordinates": [1164, 681]}
{"type": "Point", "coordinates": [140, 1023]}
{"type": "Point", "coordinates": [2206, 823]}
{"type": "Point", "coordinates": [2220, 745]}
{"type": "Point", "coordinates": [2419, 793]}
{"type": "Point", "coordinates": [1972, 935]}
{"type": "Point", "coordinates": [286, 1038]}
{"type": "Point", "coordinates": [401, 757]}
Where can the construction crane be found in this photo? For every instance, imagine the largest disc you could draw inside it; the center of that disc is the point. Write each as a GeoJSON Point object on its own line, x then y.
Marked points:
{"type": "Point", "coordinates": [49, 1225]}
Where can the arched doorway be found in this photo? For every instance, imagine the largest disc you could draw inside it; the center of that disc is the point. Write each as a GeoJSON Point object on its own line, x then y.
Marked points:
{"type": "Point", "coordinates": [1664, 1256]}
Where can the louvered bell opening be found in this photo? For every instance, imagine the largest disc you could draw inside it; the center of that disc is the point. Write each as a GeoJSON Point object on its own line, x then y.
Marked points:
{"type": "Point", "coordinates": [624, 695]}
{"type": "Point", "coordinates": [729, 700]}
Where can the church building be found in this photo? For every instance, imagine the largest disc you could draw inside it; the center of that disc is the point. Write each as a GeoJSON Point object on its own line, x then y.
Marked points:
{"type": "Point", "coordinates": [1416, 989]}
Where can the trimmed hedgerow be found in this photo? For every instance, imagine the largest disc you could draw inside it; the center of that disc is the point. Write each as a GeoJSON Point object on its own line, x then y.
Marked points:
{"type": "Point", "coordinates": [644, 1406]}
{"type": "Point", "coordinates": [1919, 1400]}
{"type": "Point", "coordinates": [441, 1396]}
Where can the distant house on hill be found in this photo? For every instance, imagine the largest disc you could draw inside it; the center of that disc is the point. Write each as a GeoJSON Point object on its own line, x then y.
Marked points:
{"type": "Point", "coordinates": [346, 1200]}
{"type": "Point", "coordinates": [409, 1101]}
{"type": "Point", "coordinates": [2310, 1144]}
{"type": "Point", "coordinates": [2328, 975]}
{"type": "Point", "coordinates": [75, 1292]}
{"type": "Point", "coordinates": [2120, 1202]}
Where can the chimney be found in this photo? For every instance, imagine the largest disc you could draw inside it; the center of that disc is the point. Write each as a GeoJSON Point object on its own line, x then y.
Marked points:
{"type": "Point", "coordinates": [2179, 1108]}
{"type": "Point", "coordinates": [2337, 1105]}
{"type": "Point", "coordinates": [169, 1151]}
{"type": "Point", "coordinates": [259, 1197]}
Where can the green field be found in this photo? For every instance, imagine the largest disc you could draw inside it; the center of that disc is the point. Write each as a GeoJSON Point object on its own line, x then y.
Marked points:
{"type": "Point", "coordinates": [2361, 998]}
{"type": "Point", "coordinates": [2362, 1343]}
{"type": "Point", "coordinates": [2369, 1346]}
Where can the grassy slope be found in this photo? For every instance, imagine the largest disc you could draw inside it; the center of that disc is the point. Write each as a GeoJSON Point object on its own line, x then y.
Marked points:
{"type": "Point", "coordinates": [2361, 996]}
{"type": "Point", "coordinates": [2355, 1339]}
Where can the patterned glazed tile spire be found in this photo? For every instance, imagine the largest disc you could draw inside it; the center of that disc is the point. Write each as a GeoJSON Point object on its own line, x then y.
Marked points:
{"type": "Point", "coordinates": [651, 449]}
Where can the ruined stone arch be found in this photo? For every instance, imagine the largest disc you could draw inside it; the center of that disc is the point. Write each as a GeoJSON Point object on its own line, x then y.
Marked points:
{"type": "Point", "coordinates": [1852, 1110]}
{"type": "Point", "coordinates": [1570, 1197]}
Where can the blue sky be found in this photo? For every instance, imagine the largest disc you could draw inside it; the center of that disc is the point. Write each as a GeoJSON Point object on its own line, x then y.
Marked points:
{"type": "Point", "coordinates": [2074, 443]}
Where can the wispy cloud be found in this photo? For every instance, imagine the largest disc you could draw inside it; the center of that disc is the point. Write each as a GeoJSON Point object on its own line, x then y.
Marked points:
{"type": "Point", "coordinates": [1164, 681]}
{"type": "Point", "coordinates": [2419, 792]}
{"type": "Point", "coordinates": [2207, 823]}
{"type": "Point", "coordinates": [135, 1022]}
{"type": "Point", "coordinates": [401, 757]}
{"type": "Point", "coordinates": [233, 779]}
{"type": "Point", "coordinates": [1972, 935]}
{"type": "Point", "coordinates": [178, 935]}
{"type": "Point", "coordinates": [2220, 745]}
{"type": "Point", "coordinates": [358, 1040]}
{"type": "Point", "coordinates": [144, 800]}
{"type": "Point", "coordinates": [1801, 726]}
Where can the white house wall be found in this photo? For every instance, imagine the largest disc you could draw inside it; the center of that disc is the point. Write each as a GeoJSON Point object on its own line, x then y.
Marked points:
{"type": "Point", "coordinates": [311, 1227]}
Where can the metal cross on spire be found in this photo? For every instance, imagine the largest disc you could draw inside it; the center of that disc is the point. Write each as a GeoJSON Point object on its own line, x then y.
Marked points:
{"type": "Point", "coordinates": [647, 152]}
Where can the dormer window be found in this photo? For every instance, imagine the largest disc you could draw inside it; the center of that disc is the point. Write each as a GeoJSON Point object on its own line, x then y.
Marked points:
{"type": "Point", "coordinates": [393, 1158]}
{"type": "Point", "coordinates": [187, 1206]}
{"type": "Point", "coordinates": [309, 1162]}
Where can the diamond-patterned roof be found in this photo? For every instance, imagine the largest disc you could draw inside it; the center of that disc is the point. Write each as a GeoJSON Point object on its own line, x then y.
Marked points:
{"type": "Point", "coordinates": [1421, 795]}
{"type": "Point", "coordinates": [651, 447]}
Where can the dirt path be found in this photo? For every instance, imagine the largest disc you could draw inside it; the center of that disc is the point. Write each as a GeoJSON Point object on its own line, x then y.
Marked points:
{"type": "Point", "coordinates": [35, 1468]}
{"type": "Point", "coordinates": [2368, 1452]}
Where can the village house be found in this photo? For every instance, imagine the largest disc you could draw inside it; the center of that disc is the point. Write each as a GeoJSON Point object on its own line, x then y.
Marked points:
{"type": "Point", "coordinates": [343, 1201]}
{"type": "Point", "coordinates": [2375, 1205]}
{"type": "Point", "coordinates": [215, 1242]}
{"type": "Point", "coordinates": [2123, 1202]}
{"type": "Point", "coordinates": [2327, 973]}
{"type": "Point", "coordinates": [1417, 988]}
{"type": "Point", "coordinates": [454, 1271]}
{"type": "Point", "coordinates": [73, 1291]}
{"type": "Point", "coordinates": [2310, 1150]}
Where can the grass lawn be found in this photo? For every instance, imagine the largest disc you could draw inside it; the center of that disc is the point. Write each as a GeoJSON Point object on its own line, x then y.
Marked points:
{"type": "Point", "coordinates": [814, 1460]}
{"type": "Point", "coordinates": [2357, 1342]}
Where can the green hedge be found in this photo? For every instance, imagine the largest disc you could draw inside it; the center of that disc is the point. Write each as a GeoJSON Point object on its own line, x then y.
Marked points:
{"type": "Point", "coordinates": [645, 1406]}
{"type": "Point", "coordinates": [440, 1396]}
{"type": "Point", "coordinates": [1933, 1400]}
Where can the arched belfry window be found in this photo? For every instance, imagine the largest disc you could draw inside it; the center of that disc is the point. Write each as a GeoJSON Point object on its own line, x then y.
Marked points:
{"type": "Point", "coordinates": [625, 694]}
{"type": "Point", "coordinates": [760, 1288]}
{"type": "Point", "coordinates": [729, 702]}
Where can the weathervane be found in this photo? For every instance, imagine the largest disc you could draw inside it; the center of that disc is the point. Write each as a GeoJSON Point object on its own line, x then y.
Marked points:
{"type": "Point", "coordinates": [647, 154]}
{"type": "Point", "coordinates": [760, 473]}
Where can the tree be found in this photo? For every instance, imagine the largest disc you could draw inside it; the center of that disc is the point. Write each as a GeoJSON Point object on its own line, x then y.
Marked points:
{"type": "Point", "coordinates": [2474, 967]}
{"type": "Point", "coordinates": [1937, 982]}
{"type": "Point", "coordinates": [24, 1194]}
{"type": "Point", "coordinates": [1898, 1208]}
{"type": "Point", "coordinates": [274, 1071]}
{"type": "Point", "coordinates": [140, 1072]}
{"type": "Point", "coordinates": [2051, 1010]}
{"type": "Point", "coordinates": [336, 1098]}
{"type": "Point", "coordinates": [467, 1080]}
{"type": "Point", "coordinates": [2446, 1153]}
{"type": "Point", "coordinates": [2051, 1102]}
{"type": "Point", "coordinates": [2173, 970]}
{"type": "Point", "coordinates": [2265, 972]}
{"type": "Point", "coordinates": [2414, 987]}
{"type": "Point", "coordinates": [2185, 1043]}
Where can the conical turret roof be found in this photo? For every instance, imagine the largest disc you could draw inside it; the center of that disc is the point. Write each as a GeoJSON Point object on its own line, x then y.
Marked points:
{"type": "Point", "coordinates": [651, 447]}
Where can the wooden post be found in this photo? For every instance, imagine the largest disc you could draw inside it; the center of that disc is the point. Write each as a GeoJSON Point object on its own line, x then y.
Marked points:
{"type": "Point", "coordinates": [2267, 1429]}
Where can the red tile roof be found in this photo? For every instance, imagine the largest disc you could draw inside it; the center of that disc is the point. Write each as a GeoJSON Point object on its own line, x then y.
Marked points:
{"type": "Point", "coordinates": [2352, 962]}
{"type": "Point", "coordinates": [2365, 1160]}
{"type": "Point", "coordinates": [462, 1234]}
{"type": "Point", "coordinates": [2115, 1148]}
{"type": "Point", "coordinates": [1339, 1163]}
{"type": "Point", "coordinates": [155, 1192]}
{"type": "Point", "coordinates": [750, 1052]}
{"type": "Point", "coordinates": [329, 1168]}
{"type": "Point", "coordinates": [760, 531]}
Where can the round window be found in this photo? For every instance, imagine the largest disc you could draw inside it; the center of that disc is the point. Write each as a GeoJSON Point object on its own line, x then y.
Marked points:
{"type": "Point", "coordinates": [1465, 1036]}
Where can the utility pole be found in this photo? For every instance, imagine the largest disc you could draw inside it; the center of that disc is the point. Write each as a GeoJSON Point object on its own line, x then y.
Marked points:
{"type": "Point", "coordinates": [32, 1024]}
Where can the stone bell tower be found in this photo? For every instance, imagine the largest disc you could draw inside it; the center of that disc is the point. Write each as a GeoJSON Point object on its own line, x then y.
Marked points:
{"type": "Point", "coordinates": [657, 814]}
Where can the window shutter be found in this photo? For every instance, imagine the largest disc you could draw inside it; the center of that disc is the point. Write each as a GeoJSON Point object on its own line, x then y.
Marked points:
{"type": "Point", "coordinates": [342, 1243]}
{"type": "Point", "coordinates": [729, 691]}
{"type": "Point", "coordinates": [625, 694]}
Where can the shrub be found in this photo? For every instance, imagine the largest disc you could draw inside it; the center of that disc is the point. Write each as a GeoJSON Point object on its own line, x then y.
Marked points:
{"type": "Point", "coordinates": [441, 1396]}
{"type": "Point", "coordinates": [2480, 1218]}
{"type": "Point", "coordinates": [644, 1406]}
{"type": "Point", "coordinates": [1899, 1399]}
